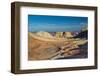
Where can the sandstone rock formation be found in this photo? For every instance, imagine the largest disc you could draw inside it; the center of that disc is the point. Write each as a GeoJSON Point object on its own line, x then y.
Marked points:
{"type": "Point", "coordinates": [59, 34]}
{"type": "Point", "coordinates": [44, 34]}
{"type": "Point", "coordinates": [41, 49]}
{"type": "Point", "coordinates": [68, 35]}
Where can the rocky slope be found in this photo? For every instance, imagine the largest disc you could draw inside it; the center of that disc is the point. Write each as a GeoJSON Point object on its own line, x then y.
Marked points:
{"type": "Point", "coordinates": [39, 49]}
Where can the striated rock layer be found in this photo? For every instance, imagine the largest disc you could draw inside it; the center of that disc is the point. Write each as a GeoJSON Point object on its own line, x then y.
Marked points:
{"type": "Point", "coordinates": [48, 48]}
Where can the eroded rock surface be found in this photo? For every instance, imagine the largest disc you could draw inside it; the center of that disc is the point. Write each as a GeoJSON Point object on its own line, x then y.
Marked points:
{"type": "Point", "coordinates": [42, 50]}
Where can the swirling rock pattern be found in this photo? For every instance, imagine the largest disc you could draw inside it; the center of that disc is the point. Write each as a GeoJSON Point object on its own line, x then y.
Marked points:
{"type": "Point", "coordinates": [45, 48]}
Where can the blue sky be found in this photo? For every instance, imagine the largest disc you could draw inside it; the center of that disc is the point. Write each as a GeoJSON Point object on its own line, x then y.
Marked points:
{"type": "Point", "coordinates": [55, 23]}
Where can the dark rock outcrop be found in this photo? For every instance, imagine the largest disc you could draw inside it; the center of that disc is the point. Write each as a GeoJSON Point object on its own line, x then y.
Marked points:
{"type": "Point", "coordinates": [83, 34]}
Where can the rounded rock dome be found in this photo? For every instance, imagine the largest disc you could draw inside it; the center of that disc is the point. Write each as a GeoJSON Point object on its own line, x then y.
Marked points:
{"type": "Point", "coordinates": [44, 34]}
